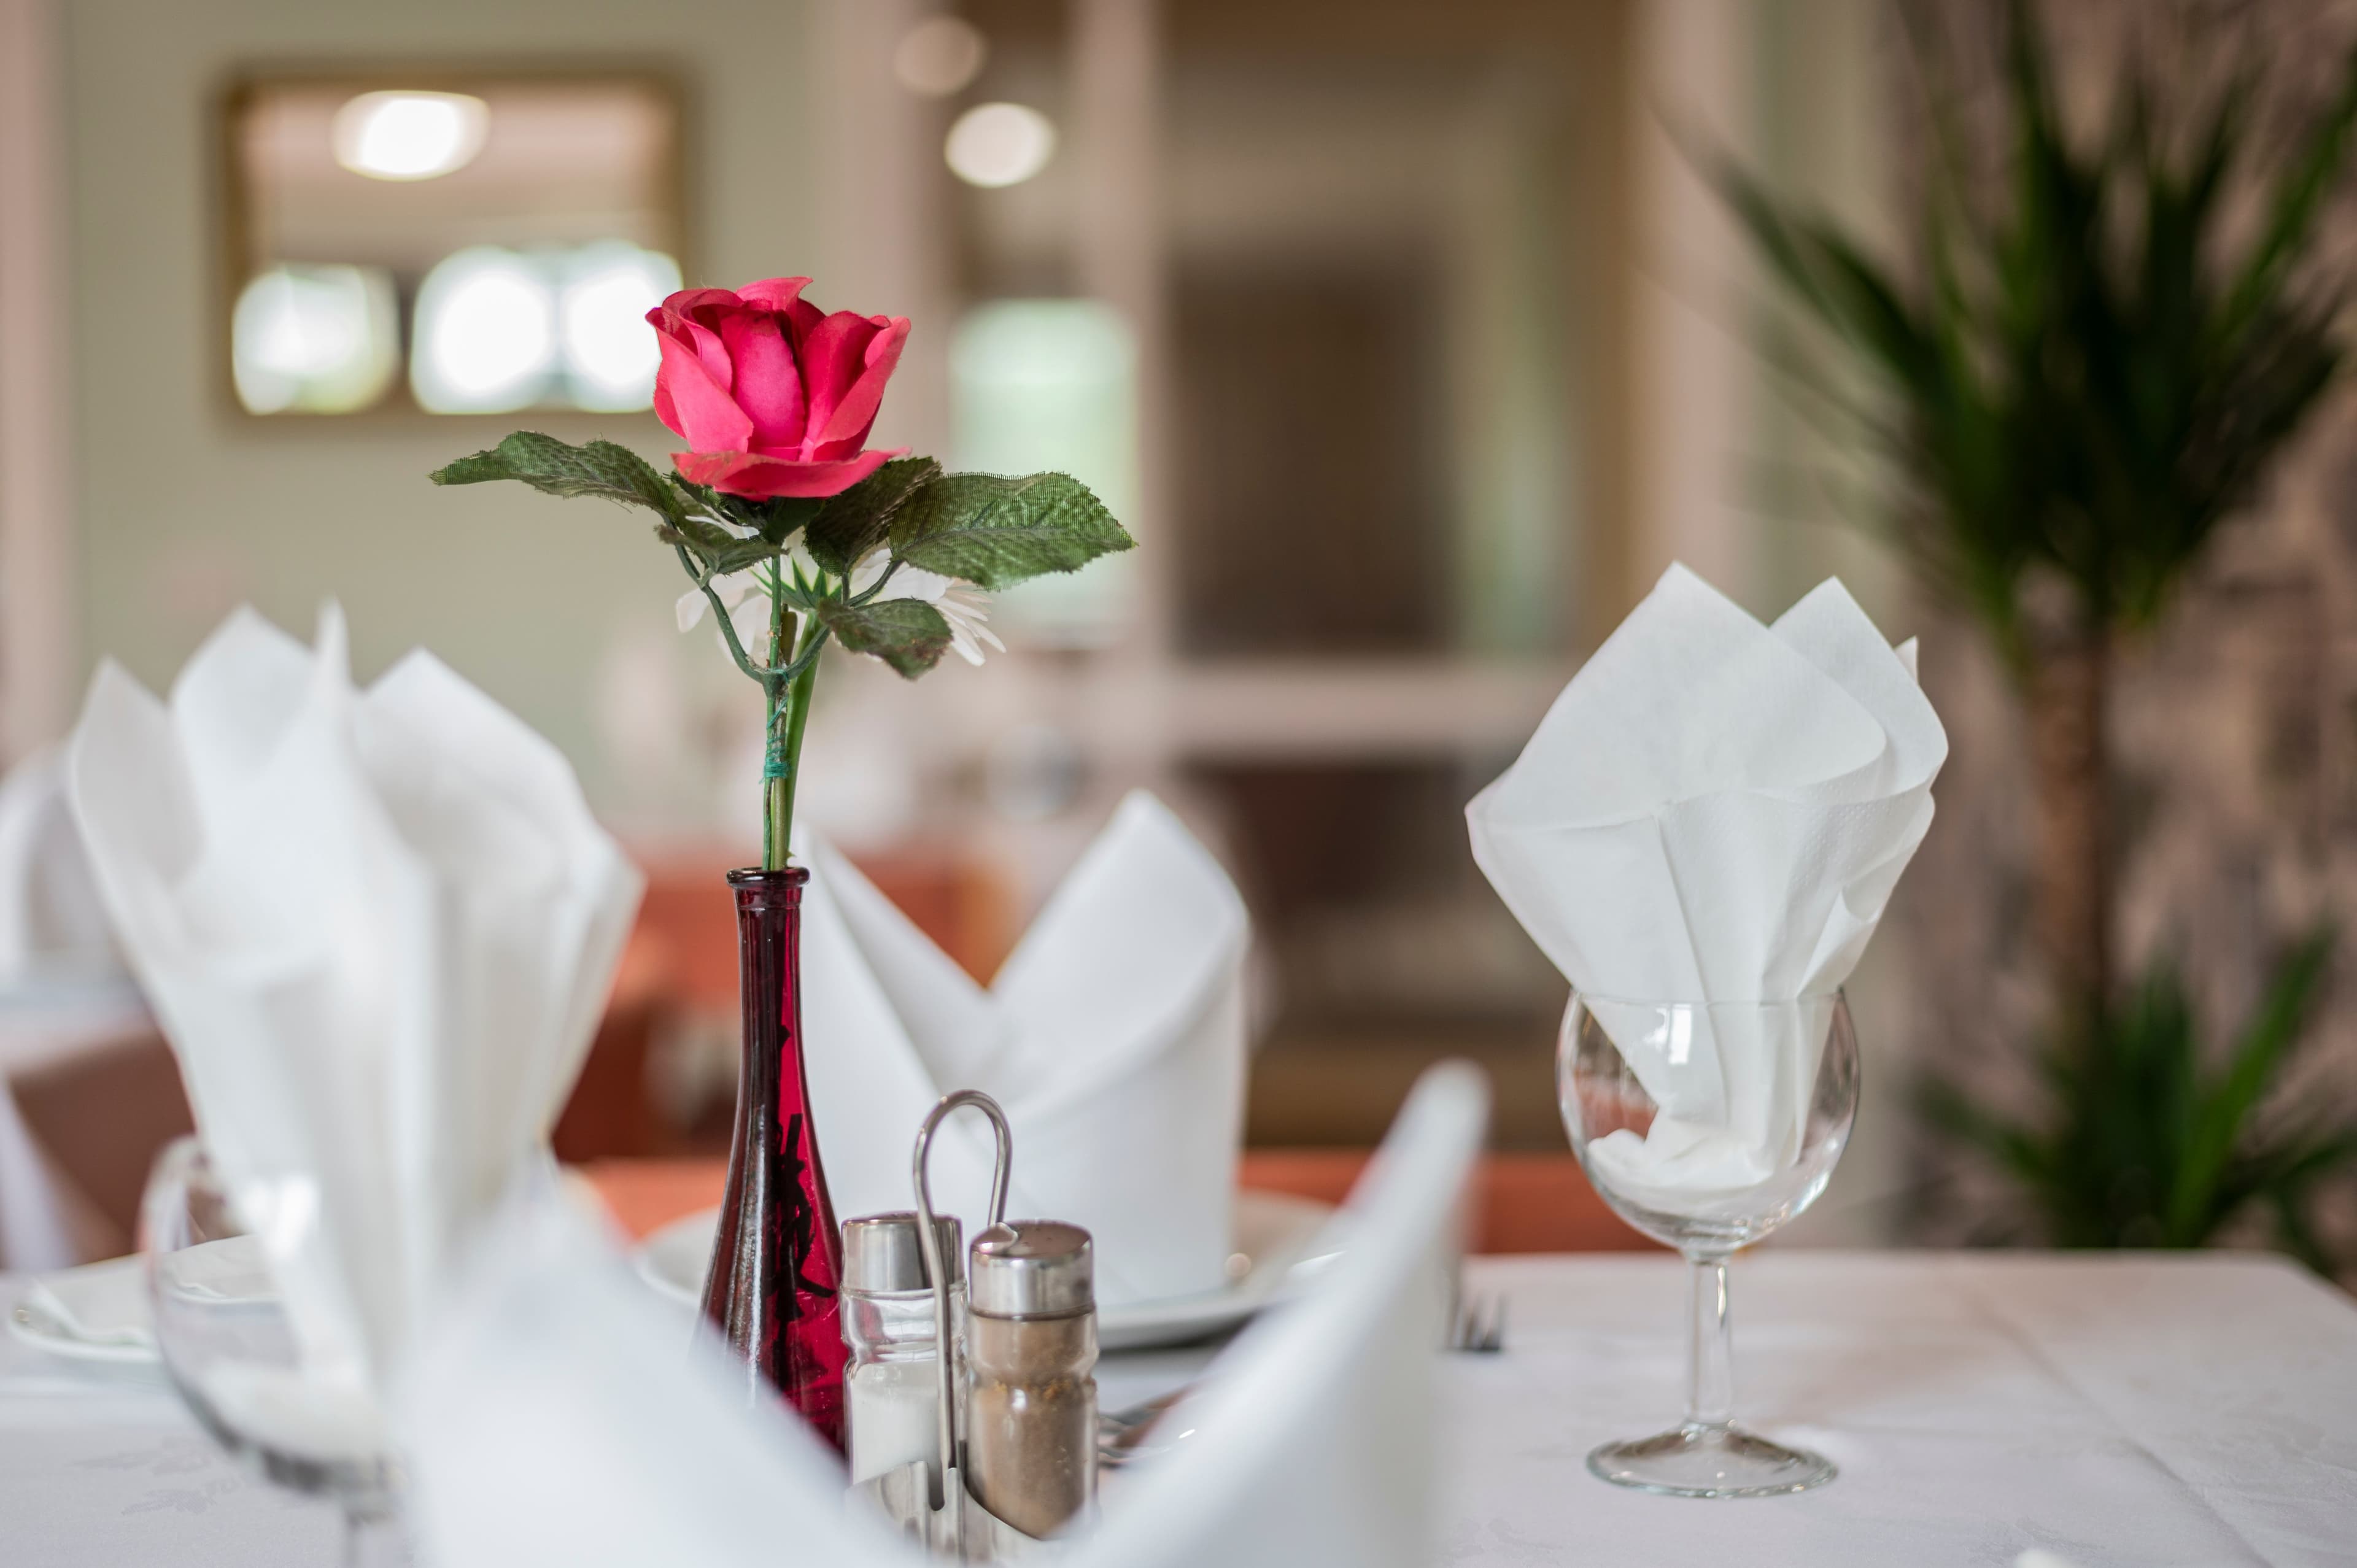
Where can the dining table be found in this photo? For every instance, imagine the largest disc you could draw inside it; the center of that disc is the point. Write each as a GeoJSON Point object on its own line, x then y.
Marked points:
{"type": "Point", "coordinates": [2141, 1409]}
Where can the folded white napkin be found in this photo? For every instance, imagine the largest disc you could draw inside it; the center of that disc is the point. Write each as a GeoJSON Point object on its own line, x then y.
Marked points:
{"type": "Point", "coordinates": [377, 928]}
{"type": "Point", "coordinates": [51, 922]}
{"type": "Point", "coordinates": [1716, 810]}
{"type": "Point", "coordinates": [553, 1422]}
{"type": "Point", "coordinates": [1114, 1038]}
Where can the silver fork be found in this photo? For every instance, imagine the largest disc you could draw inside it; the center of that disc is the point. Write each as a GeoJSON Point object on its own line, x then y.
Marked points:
{"type": "Point", "coordinates": [1122, 1434]}
{"type": "Point", "coordinates": [1480, 1325]}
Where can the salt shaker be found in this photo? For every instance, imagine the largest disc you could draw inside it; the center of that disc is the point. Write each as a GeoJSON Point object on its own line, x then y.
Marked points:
{"type": "Point", "coordinates": [892, 1394]}
{"type": "Point", "coordinates": [1031, 1356]}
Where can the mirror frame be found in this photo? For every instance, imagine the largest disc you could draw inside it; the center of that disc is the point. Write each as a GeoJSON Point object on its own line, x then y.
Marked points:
{"type": "Point", "coordinates": [231, 202]}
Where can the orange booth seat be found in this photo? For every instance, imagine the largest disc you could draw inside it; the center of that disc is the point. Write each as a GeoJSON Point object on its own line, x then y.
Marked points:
{"type": "Point", "coordinates": [682, 961]}
{"type": "Point", "coordinates": [1525, 1203]}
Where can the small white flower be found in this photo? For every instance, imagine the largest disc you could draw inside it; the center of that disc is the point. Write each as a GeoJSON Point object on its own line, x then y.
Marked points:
{"type": "Point", "coordinates": [963, 608]}
{"type": "Point", "coordinates": [748, 603]}
{"type": "Point", "coordinates": [741, 529]}
{"type": "Point", "coordinates": [797, 562]}
{"type": "Point", "coordinates": [961, 605]}
{"type": "Point", "coordinates": [749, 607]}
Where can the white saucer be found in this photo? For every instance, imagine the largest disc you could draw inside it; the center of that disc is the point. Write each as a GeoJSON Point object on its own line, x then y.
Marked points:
{"type": "Point", "coordinates": [58, 1311]}
{"type": "Point", "coordinates": [33, 1323]}
{"type": "Point", "coordinates": [1275, 1233]}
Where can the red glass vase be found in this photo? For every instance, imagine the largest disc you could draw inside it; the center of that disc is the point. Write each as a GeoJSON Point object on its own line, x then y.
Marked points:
{"type": "Point", "coordinates": [777, 1259]}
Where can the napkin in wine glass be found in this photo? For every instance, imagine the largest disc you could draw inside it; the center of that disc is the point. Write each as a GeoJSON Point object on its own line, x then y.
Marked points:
{"type": "Point", "coordinates": [1716, 810]}
{"type": "Point", "coordinates": [377, 928]}
{"type": "Point", "coordinates": [1114, 1038]}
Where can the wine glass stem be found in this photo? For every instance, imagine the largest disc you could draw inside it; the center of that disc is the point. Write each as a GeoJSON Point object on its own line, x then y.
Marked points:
{"type": "Point", "coordinates": [371, 1540]}
{"type": "Point", "coordinates": [1710, 1363]}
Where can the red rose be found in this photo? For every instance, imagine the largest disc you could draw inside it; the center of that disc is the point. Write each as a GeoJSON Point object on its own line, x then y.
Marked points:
{"type": "Point", "coordinates": [774, 396]}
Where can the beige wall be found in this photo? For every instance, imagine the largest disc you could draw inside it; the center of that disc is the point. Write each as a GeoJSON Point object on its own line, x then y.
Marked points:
{"type": "Point", "coordinates": [1726, 470]}
{"type": "Point", "coordinates": [184, 506]}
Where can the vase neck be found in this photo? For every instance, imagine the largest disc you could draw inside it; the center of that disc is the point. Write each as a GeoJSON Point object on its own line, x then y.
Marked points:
{"type": "Point", "coordinates": [762, 892]}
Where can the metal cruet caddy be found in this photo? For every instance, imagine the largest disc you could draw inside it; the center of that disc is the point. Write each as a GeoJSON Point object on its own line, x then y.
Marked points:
{"type": "Point", "coordinates": [1016, 1409]}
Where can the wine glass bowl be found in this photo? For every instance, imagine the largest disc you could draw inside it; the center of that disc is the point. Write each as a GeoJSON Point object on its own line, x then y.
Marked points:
{"type": "Point", "coordinates": [1706, 1126]}
{"type": "Point", "coordinates": [237, 1357]}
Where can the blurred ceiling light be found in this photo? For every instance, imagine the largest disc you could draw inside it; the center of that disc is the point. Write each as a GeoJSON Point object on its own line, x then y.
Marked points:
{"type": "Point", "coordinates": [939, 56]}
{"type": "Point", "coordinates": [485, 334]}
{"type": "Point", "coordinates": [410, 135]}
{"type": "Point", "coordinates": [610, 354]}
{"type": "Point", "coordinates": [314, 339]}
{"type": "Point", "coordinates": [995, 145]}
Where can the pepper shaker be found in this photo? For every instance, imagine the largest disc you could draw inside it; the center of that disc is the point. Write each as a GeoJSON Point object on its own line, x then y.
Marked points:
{"type": "Point", "coordinates": [892, 1393]}
{"type": "Point", "coordinates": [1031, 1356]}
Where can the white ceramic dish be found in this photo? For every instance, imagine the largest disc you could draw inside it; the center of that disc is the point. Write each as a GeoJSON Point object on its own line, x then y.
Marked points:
{"type": "Point", "coordinates": [32, 1322]}
{"type": "Point", "coordinates": [57, 1312]}
{"type": "Point", "coordinates": [1274, 1235]}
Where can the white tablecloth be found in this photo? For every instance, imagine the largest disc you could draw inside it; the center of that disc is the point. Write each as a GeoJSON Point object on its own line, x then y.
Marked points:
{"type": "Point", "coordinates": [2116, 1410]}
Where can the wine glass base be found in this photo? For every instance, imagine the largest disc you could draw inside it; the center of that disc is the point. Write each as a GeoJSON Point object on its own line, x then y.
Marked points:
{"type": "Point", "coordinates": [1710, 1462]}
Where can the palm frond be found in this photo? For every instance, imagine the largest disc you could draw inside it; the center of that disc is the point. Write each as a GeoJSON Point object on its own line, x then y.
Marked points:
{"type": "Point", "coordinates": [2142, 1143]}
{"type": "Point", "coordinates": [2071, 401]}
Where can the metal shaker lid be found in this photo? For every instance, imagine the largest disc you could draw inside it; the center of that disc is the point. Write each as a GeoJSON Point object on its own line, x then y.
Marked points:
{"type": "Point", "coordinates": [885, 1252]}
{"type": "Point", "coordinates": [1032, 1268]}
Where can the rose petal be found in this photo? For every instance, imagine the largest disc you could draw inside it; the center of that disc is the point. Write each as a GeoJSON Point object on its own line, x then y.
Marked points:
{"type": "Point", "coordinates": [768, 386]}
{"type": "Point", "coordinates": [696, 325]}
{"type": "Point", "coordinates": [701, 414]}
{"type": "Point", "coordinates": [688, 301]}
{"type": "Point", "coordinates": [802, 318]}
{"type": "Point", "coordinates": [669, 327]}
{"type": "Point", "coordinates": [846, 425]}
{"type": "Point", "coordinates": [773, 294]}
{"type": "Point", "coordinates": [832, 358]}
{"type": "Point", "coordinates": [759, 475]}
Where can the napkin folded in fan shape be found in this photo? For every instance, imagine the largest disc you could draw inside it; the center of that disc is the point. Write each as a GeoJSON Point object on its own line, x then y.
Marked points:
{"type": "Point", "coordinates": [50, 919]}
{"type": "Point", "coordinates": [555, 1421]}
{"type": "Point", "coordinates": [1114, 1038]}
{"type": "Point", "coordinates": [378, 930]}
{"type": "Point", "coordinates": [1716, 810]}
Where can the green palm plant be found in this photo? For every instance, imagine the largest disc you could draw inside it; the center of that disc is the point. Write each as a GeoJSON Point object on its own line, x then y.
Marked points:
{"type": "Point", "coordinates": [2092, 375]}
{"type": "Point", "coordinates": [2150, 1145]}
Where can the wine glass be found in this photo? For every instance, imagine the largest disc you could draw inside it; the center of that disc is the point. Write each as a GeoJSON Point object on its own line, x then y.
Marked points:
{"type": "Point", "coordinates": [301, 1414]}
{"type": "Point", "coordinates": [1706, 1125]}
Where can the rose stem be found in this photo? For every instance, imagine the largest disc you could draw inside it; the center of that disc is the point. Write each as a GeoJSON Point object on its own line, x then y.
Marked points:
{"type": "Point", "coordinates": [789, 707]}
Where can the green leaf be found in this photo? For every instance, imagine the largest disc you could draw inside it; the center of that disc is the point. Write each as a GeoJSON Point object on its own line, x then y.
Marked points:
{"type": "Point", "coordinates": [2095, 361]}
{"type": "Point", "coordinates": [997, 531]}
{"type": "Point", "coordinates": [600, 469]}
{"type": "Point", "coordinates": [851, 524]}
{"type": "Point", "coordinates": [739, 554]}
{"type": "Point", "coordinates": [907, 634]}
{"type": "Point", "coordinates": [2267, 1042]}
{"type": "Point", "coordinates": [777, 518]}
{"type": "Point", "coordinates": [2299, 200]}
{"type": "Point", "coordinates": [706, 537]}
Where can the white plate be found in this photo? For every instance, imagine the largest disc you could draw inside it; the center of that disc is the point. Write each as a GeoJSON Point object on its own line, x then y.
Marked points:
{"type": "Point", "coordinates": [226, 1273]}
{"type": "Point", "coordinates": [1274, 1236]}
{"type": "Point", "coordinates": [31, 1322]}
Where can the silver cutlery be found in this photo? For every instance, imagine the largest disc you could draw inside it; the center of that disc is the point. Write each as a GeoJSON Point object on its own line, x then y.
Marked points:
{"type": "Point", "coordinates": [1122, 1434]}
{"type": "Point", "coordinates": [1480, 1325]}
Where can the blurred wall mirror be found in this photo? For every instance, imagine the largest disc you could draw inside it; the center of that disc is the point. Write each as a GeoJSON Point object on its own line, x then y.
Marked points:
{"type": "Point", "coordinates": [447, 242]}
